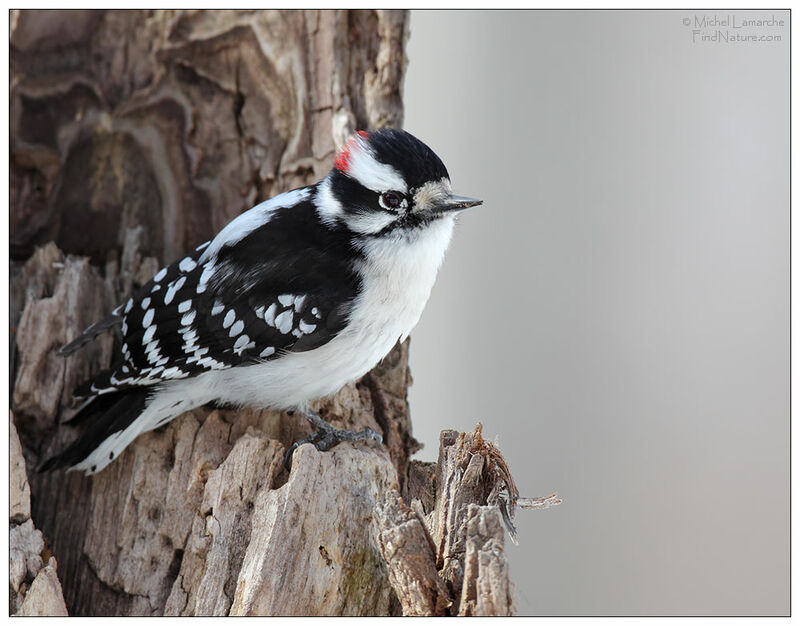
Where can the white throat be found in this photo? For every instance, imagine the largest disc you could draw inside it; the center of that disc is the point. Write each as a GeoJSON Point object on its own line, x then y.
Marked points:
{"type": "Point", "coordinates": [398, 274]}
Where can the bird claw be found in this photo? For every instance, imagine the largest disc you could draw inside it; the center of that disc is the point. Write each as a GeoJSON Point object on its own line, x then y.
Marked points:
{"type": "Point", "coordinates": [327, 437]}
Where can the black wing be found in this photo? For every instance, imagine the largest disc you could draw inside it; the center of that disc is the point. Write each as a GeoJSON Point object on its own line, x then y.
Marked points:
{"type": "Point", "coordinates": [285, 286]}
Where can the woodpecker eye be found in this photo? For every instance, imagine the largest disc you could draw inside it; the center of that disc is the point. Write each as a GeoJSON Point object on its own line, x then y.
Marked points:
{"type": "Point", "coordinates": [392, 200]}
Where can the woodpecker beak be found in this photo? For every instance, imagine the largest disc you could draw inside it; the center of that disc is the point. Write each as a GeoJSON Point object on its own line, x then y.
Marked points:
{"type": "Point", "coordinates": [456, 203]}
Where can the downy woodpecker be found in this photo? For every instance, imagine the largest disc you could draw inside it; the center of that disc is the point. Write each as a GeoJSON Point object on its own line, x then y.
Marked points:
{"type": "Point", "coordinates": [291, 300]}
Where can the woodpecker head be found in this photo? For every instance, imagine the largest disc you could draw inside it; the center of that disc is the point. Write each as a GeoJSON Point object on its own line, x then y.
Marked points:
{"type": "Point", "coordinates": [387, 182]}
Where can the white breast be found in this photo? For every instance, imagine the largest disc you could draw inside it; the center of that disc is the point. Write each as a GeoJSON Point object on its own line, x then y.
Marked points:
{"type": "Point", "coordinates": [397, 280]}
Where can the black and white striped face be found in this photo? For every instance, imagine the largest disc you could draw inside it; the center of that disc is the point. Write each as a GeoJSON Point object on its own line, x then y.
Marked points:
{"type": "Point", "coordinates": [383, 182]}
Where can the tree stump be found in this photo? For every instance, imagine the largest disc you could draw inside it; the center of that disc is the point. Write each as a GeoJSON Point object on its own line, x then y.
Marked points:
{"type": "Point", "coordinates": [136, 135]}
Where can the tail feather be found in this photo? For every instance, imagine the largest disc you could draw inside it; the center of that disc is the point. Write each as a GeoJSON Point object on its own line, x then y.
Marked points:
{"type": "Point", "coordinates": [108, 415]}
{"type": "Point", "coordinates": [99, 385]}
{"type": "Point", "coordinates": [98, 328]}
{"type": "Point", "coordinates": [113, 379]}
{"type": "Point", "coordinates": [98, 403]}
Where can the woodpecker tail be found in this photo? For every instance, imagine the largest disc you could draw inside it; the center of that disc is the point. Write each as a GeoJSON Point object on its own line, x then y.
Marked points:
{"type": "Point", "coordinates": [98, 328]}
{"type": "Point", "coordinates": [108, 416]}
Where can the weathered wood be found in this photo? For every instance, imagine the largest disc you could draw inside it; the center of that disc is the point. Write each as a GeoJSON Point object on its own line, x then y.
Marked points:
{"type": "Point", "coordinates": [136, 135]}
{"type": "Point", "coordinates": [410, 558]}
{"type": "Point", "coordinates": [485, 589]}
{"type": "Point", "coordinates": [26, 545]}
{"type": "Point", "coordinates": [44, 380]}
{"type": "Point", "coordinates": [470, 470]}
{"type": "Point", "coordinates": [19, 490]}
{"type": "Point", "coordinates": [34, 587]}
{"type": "Point", "coordinates": [320, 521]}
{"type": "Point", "coordinates": [44, 598]}
{"type": "Point", "coordinates": [222, 527]}
{"type": "Point", "coordinates": [446, 555]}
{"type": "Point", "coordinates": [178, 120]}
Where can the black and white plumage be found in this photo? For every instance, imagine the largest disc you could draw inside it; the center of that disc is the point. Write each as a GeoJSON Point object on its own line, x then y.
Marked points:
{"type": "Point", "coordinates": [291, 300]}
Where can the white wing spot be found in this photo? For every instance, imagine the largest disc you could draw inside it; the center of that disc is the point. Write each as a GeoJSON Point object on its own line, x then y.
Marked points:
{"type": "Point", "coordinates": [154, 356]}
{"type": "Point", "coordinates": [184, 306]}
{"type": "Point", "coordinates": [268, 351]}
{"type": "Point", "coordinates": [129, 305]}
{"type": "Point", "coordinates": [187, 264]}
{"type": "Point", "coordinates": [173, 372]}
{"type": "Point", "coordinates": [208, 271]}
{"type": "Point", "coordinates": [149, 334]}
{"type": "Point", "coordinates": [218, 308]}
{"type": "Point", "coordinates": [284, 321]}
{"type": "Point", "coordinates": [299, 302]}
{"type": "Point", "coordinates": [148, 317]}
{"type": "Point", "coordinates": [173, 288]}
{"type": "Point", "coordinates": [145, 303]}
{"type": "Point", "coordinates": [188, 318]}
{"type": "Point", "coordinates": [285, 299]}
{"type": "Point", "coordinates": [236, 329]}
{"type": "Point", "coordinates": [230, 317]}
{"type": "Point", "coordinates": [211, 363]}
{"type": "Point", "coordinates": [315, 312]}
{"type": "Point", "coordinates": [306, 328]}
{"type": "Point", "coordinates": [269, 316]}
{"type": "Point", "coordinates": [160, 275]}
{"type": "Point", "coordinates": [199, 352]}
{"type": "Point", "coordinates": [241, 344]}
{"type": "Point", "coordinates": [190, 337]}
{"type": "Point", "coordinates": [155, 288]}
{"type": "Point", "coordinates": [296, 332]}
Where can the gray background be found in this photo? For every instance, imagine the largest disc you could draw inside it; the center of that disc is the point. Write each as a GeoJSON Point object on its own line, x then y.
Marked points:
{"type": "Point", "coordinates": [617, 314]}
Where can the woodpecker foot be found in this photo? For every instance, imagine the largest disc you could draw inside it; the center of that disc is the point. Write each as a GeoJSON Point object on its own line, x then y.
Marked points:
{"type": "Point", "coordinates": [327, 437]}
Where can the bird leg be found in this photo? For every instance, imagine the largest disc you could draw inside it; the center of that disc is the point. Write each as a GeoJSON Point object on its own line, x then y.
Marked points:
{"type": "Point", "coordinates": [326, 436]}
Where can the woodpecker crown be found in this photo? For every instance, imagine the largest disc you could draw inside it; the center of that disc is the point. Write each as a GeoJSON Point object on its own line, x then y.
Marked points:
{"type": "Point", "coordinates": [412, 161]}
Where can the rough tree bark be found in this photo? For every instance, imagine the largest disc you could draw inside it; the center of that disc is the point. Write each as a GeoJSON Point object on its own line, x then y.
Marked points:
{"type": "Point", "coordinates": [136, 135]}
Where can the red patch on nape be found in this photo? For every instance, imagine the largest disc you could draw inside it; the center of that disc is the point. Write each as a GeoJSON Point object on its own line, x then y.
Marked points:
{"type": "Point", "coordinates": [342, 162]}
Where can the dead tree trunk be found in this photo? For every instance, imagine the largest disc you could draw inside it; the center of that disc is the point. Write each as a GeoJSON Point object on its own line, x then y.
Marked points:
{"type": "Point", "coordinates": [137, 135]}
